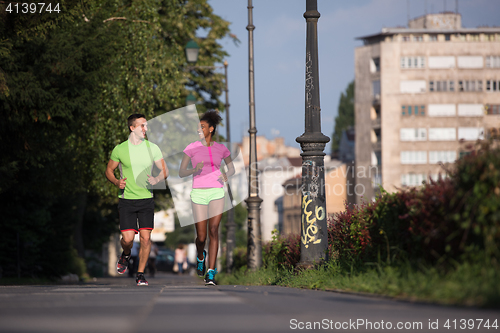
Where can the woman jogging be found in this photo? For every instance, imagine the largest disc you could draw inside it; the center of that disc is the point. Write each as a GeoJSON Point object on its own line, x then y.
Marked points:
{"type": "Point", "coordinates": [207, 195]}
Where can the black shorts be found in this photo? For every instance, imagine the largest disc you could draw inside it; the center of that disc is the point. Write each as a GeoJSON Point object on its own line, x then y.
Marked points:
{"type": "Point", "coordinates": [136, 214]}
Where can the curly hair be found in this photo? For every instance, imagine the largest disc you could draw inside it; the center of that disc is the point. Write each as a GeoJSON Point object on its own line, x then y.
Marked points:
{"type": "Point", "coordinates": [212, 117]}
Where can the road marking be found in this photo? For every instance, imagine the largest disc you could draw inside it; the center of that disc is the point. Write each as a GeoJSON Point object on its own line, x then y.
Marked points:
{"type": "Point", "coordinates": [197, 300]}
{"type": "Point", "coordinates": [85, 289]}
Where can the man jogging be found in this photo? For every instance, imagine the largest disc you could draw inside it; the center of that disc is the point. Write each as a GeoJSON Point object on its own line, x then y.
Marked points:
{"type": "Point", "coordinates": [135, 158]}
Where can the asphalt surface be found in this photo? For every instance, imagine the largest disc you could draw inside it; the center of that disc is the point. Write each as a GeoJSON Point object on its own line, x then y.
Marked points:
{"type": "Point", "coordinates": [174, 303]}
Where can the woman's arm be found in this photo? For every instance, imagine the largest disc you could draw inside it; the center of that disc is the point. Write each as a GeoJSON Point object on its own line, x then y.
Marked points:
{"type": "Point", "coordinates": [230, 166]}
{"type": "Point", "coordinates": [184, 172]}
{"type": "Point", "coordinates": [230, 170]}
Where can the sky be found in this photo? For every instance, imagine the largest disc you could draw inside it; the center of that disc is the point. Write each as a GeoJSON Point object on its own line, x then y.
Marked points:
{"type": "Point", "coordinates": [279, 54]}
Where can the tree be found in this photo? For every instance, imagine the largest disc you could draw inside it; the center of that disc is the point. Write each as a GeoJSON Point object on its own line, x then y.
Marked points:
{"type": "Point", "coordinates": [67, 85]}
{"type": "Point", "coordinates": [345, 117]}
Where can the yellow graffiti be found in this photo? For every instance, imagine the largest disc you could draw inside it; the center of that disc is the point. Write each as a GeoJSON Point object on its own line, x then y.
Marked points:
{"type": "Point", "coordinates": [311, 230]}
{"type": "Point", "coordinates": [322, 211]}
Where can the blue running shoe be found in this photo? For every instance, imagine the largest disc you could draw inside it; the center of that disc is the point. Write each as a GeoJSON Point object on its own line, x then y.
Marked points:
{"type": "Point", "coordinates": [209, 278]}
{"type": "Point", "coordinates": [201, 267]}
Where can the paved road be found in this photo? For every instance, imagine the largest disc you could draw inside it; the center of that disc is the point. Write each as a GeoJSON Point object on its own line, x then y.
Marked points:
{"type": "Point", "coordinates": [183, 304]}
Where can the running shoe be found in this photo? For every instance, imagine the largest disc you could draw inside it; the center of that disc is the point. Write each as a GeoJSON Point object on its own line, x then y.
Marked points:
{"type": "Point", "coordinates": [201, 267]}
{"type": "Point", "coordinates": [209, 278]}
{"type": "Point", "coordinates": [122, 263]}
{"type": "Point", "coordinates": [141, 280]}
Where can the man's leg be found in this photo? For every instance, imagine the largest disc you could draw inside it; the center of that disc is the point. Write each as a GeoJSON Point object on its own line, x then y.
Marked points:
{"type": "Point", "coordinates": [126, 242]}
{"type": "Point", "coordinates": [145, 237]}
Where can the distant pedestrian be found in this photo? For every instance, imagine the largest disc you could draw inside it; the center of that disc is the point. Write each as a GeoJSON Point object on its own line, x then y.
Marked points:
{"type": "Point", "coordinates": [180, 259]}
{"type": "Point", "coordinates": [207, 195]}
{"type": "Point", "coordinates": [136, 157]}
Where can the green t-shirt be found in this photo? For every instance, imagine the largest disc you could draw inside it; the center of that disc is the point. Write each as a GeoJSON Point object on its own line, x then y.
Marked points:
{"type": "Point", "coordinates": [135, 165]}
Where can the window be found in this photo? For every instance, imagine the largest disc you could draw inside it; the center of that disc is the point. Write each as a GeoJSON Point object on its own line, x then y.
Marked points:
{"type": "Point", "coordinates": [493, 62]}
{"type": "Point", "coordinates": [445, 156]}
{"type": "Point", "coordinates": [492, 85]}
{"type": "Point", "coordinates": [433, 38]}
{"type": "Point", "coordinates": [470, 133]}
{"type": "Point", "coordinates": [442, 134]}
{"type": "Point", "coordinates": [441, 62]}
{"type": "Point", "coordinates": [470, 62]}
{"type": "Point", "coordinates": [436, 176]}
{"type": "Point", "coordinates": [470, 110]}
{"type": "Point", "coordinates": [412, 62]}
{"type": "Point", "coordinates": [376, 88]}
{"type": "Point", "coordinates": [461, 37]}
{"type": "Point", "coordinates": [413, 134]}
{"type": "Point", "coordinates": [412, 179]}
{"type": "Point", "coordinates": [490, 37]}
{"type": "Point", "coordinates": [375, 65]}
{"type": "Point", "coordinates": [447, 37]}
{"type": "Point", "coordinates": [474, 37]}
{"type": "Point", "coordinates": [441, 86]}
{"type": "Point", "coordinates": [470, 85]}
{"type": "Point", "coordinates": [413, 110]}
{"type": "Point", "coordinates": [406, 38]}
{"type": "Point", "coordinates": [417, 38]}
{"type": "Point", "coordinates": [492, 109]}
{"type": "Point", "coordinates": [442, 110]}
{"type": "Point", "coordinates": [412, 86]}
{"type": "Point", "coordinates": [414, 157]}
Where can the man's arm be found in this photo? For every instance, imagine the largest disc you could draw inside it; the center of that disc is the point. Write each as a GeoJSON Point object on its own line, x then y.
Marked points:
{"type": "Point", "coordinates": [160, 164]}
{"type": "Point", "coordinates": [112, 165]}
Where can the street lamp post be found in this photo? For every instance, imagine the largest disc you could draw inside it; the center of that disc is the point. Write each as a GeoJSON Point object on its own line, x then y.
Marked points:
{"type": "Point", "coordinates": [314, 235]}
{"type": "Point", "coordinates": [192, 51]}
{"type": "Point", "coordinates": [254, 247]}
{"type": "Point", "coordinates": [230, 225]}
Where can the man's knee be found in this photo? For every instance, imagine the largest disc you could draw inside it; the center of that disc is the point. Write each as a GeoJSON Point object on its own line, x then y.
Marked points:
{"type": "Point", "coordinates": [145, 239]}
{"type": "Point", "coordinates": [127, 240]}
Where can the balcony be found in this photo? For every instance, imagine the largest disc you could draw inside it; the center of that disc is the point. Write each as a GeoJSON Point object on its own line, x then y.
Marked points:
{"type": "Point", "coordinates": [376, 146]}
{"type": "Point", "coordinates": [376, 123]}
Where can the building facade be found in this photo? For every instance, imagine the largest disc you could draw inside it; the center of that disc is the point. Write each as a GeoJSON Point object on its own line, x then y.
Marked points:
{"type": "Point", "coordinates": [422, 94]}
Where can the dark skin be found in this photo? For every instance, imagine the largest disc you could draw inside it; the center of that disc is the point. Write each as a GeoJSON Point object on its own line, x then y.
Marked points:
{"type": "Point", "coordinates": [205, 131]}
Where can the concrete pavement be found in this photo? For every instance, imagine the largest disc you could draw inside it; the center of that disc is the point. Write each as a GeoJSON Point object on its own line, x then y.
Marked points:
{"type": "Point", "coordinates": [174, 303]}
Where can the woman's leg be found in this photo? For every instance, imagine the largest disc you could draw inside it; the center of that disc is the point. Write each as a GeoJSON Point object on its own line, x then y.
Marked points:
{"type": "Point", "coordinates": [215, 207]}
{"type": "Point", "coordinates": [200, 213]}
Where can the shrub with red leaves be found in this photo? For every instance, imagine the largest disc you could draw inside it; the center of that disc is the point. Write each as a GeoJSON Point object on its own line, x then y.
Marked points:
{"type": "Point", "coordinates": [283, 251]}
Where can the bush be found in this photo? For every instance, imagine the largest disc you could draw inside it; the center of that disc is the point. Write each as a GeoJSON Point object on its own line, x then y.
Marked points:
{"type": "Point", "coordinates": [441, 222]}
{"type": "Point", "coordinates": [282, 251]}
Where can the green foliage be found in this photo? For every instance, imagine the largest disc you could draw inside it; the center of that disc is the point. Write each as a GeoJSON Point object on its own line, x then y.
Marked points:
{"type": "Point", "coordinates": [68, 82]}
{"type": "Point", "coordinates": [345, 117]}
{"type": "Point", "coordinates": [281, 251]}
{"type": "Point", "coordinates": [240, 218]}
{"type": "Point", "coordinates": [180, 235]}
{"type": "Point", "coordinates": [437, 243]}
